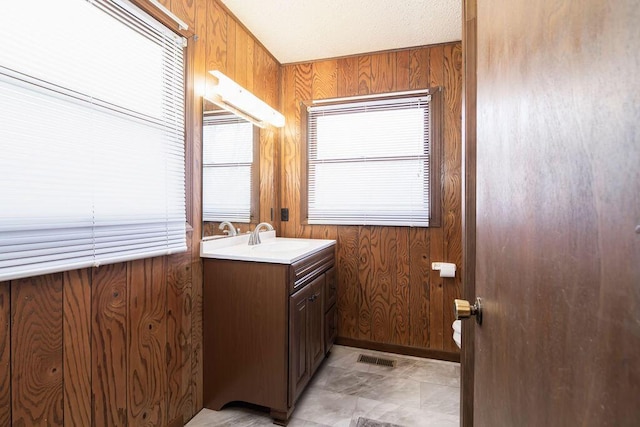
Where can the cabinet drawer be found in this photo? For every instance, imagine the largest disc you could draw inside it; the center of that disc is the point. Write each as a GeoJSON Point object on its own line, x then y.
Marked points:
{"type": "Point", "coordinates": [307, 269]}
{"type": "Point", "coordinates": [330, 288]}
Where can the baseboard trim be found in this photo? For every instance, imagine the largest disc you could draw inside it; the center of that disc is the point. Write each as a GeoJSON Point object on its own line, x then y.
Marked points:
{"type": "Point", "coordinates": [400, 349]}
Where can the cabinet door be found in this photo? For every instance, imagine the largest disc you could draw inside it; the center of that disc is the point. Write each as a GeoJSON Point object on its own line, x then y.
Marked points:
{"type": "Point", "coordinates": [330, 289]}
{"type": "Point", "coordinates": [316, 323]}
{"type": "Point", "coordinates": [330, 328]}
{"type": "Point", "coordinates": [298, 338]}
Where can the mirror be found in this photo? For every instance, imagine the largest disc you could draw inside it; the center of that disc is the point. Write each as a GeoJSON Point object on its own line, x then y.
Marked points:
{"type": "Point", "coordinates": [231, 156]}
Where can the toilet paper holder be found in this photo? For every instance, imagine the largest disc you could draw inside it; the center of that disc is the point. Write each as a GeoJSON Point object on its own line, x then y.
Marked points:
{"type": "Point", "coordinates": [447, 269]}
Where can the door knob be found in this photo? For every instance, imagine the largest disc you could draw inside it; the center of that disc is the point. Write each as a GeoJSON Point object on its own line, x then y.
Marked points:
{"type": "Point", "coordinates": [463, 309]}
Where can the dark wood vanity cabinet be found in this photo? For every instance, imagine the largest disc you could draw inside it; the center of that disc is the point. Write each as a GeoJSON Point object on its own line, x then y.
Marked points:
{"type": "Point", "coordinates": [266, 329]}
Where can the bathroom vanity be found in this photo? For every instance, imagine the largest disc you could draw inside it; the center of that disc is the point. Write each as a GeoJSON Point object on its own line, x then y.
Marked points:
{"type": "Point", "coordinates": [269, 320]}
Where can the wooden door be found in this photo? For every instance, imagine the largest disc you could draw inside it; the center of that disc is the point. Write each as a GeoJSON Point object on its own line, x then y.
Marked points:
{"type": "Point", "coordinates": [558, 213]}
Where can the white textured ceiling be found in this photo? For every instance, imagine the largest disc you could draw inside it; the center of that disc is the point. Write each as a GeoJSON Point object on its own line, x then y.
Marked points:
{"type": "Point", "coordinates": [305, 30]}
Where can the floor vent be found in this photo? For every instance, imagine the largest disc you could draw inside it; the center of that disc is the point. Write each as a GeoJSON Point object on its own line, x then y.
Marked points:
{"type": "Point", "coordinates": [376, 361]}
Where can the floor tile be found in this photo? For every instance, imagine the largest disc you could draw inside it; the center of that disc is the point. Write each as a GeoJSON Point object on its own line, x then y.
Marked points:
{"type": "Point", "coordinates": [325, 407]}
{"type": "Point", "coordinates": [440, 398]}
{"type": "Point", "coordinates": [416, 392]}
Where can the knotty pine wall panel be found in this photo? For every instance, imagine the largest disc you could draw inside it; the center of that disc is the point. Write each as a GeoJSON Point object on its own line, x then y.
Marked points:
{"type": "Point", "coordinates": [419, 296]}
{"type": "Point", "coordinates": [36, 351]}
{"type": "Point", "coordinates": [122, 344]}
{"type": "Point", "coordinates": [105, 346]}
{"type": "Point", "coordinates": [180, 338]}
{"type": "Point", "coordinates": [76, 336]}
{"type": "Point", "coordinates": [402, 69]}
{"type": "Point", "coordinates": [146, 347]}
{"type": "Point", "coordinates": [387, 295]}
{"type": "Point", "coordinates": [399, 310]}
{"type": "Point", "coordinates": [383, 268]}
{"type": "Point", "coordinates": [109, 344]}
{"type": "Point", "coordinates": [365, 283]}
{"type": "Point", "coordinates": [216, 38]}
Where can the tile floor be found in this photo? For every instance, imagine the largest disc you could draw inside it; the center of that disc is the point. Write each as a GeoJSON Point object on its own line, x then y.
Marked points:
{"type": "Point", "coordinates": [416, 392]}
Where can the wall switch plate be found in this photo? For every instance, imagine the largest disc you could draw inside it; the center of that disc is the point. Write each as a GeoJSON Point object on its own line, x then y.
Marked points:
{"type": "Point", "coordinates": [284, 214]}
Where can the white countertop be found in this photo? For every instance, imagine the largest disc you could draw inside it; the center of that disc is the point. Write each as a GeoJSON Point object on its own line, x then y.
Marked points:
{"type": "Point", "coordinates": [277, 250]}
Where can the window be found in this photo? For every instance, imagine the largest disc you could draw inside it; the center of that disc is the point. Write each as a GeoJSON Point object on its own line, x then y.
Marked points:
{"type": "Point", "coordinates": [230, 168]}
{"type": "Point", "coordinates": [91, 136]}
{"type": "Point", "coordinates": [373, 161]}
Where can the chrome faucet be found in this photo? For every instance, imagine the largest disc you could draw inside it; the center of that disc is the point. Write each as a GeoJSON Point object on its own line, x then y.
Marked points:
{"type": "Point", "coordinates": [231, 228]}
{"type": "Point", "coordinates": [254, 239]}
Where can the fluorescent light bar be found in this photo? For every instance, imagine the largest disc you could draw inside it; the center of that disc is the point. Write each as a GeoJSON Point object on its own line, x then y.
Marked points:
{"type": "Point", "coordinates": [232, 97]}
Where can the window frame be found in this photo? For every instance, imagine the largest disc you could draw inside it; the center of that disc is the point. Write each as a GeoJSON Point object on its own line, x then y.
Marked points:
{"type": "Point", "coordinates": [435, 149]}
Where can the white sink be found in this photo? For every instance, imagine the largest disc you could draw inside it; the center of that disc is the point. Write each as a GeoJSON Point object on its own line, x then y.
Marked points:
{"type": "Point", "coordinates": [282, 244]}
{"type": "Point", "coordinates": [278, 250]}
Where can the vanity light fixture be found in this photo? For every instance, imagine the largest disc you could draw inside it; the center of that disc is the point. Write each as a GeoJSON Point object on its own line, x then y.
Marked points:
{"type": "Point", "coordinates": [232, 97]}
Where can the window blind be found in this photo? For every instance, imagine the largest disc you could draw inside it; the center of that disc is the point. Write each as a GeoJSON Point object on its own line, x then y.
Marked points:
{"type": "Point", "coordinates": [228, 157]}
{"type": "Point", "coordinates": [368, 162]}
{"type": "Point", "coordinates": [91, 136]}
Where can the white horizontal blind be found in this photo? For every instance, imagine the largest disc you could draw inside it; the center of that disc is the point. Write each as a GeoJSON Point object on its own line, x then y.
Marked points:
{"type": "Point", "coordinates": [91, 136]}
{"type": "Point", "coordinates": [368, 162]}
{"type": "Point", "coordinates": [227, 168]}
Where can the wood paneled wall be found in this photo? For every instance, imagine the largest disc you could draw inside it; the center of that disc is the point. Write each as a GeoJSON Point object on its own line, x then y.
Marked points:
{"type": "Point", "coordinates": [106, 346]}
{"type": "Point", "coordinates": [388, 295]}
{"type": "Point", "coordinates": [122, 344]}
